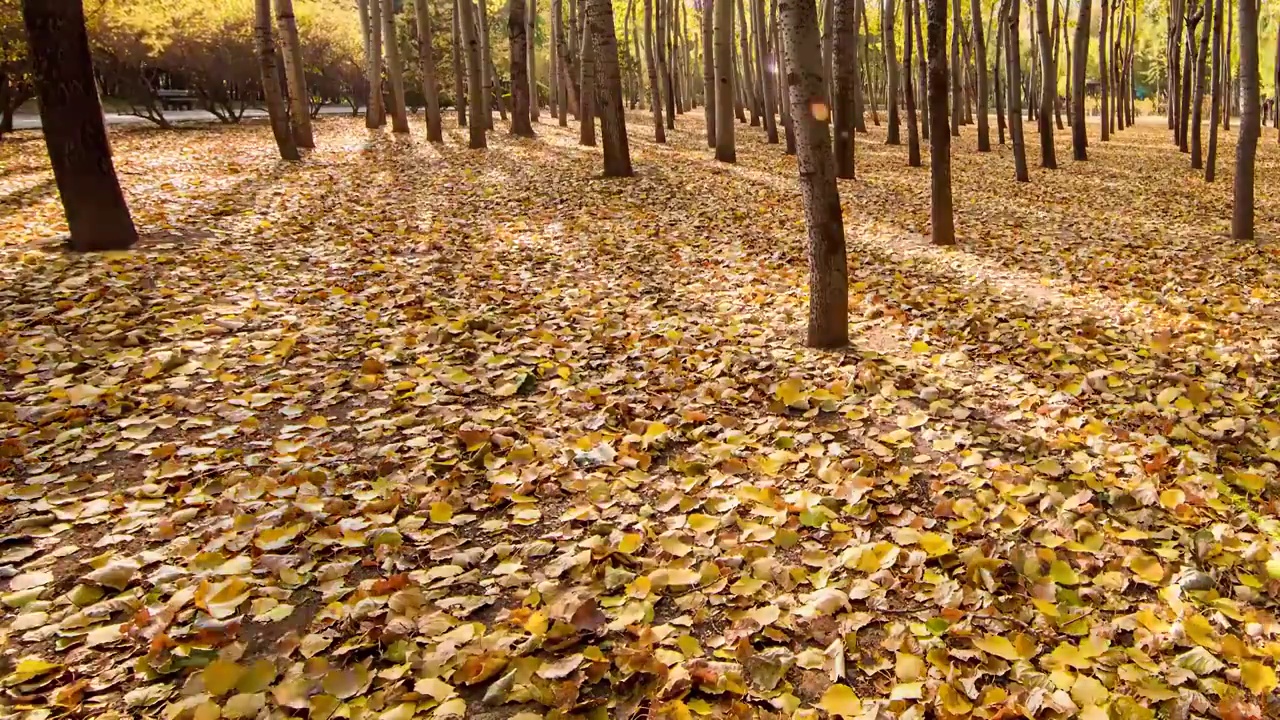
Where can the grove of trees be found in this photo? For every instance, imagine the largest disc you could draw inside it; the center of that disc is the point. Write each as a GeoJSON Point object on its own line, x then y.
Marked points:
{"type": "Point", "coordinates": [794, 64]}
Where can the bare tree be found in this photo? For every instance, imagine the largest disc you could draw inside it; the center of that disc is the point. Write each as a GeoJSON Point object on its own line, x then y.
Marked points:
{"type": "Point", "coordinates": [999, 58]}
{"type": "Point", "coordinates": [475, 91]}
{"type": "Point", "coordinates": [828, 264]}
{"type": "Point", "coordinates": [587, 85]}
{"type": "Point", "coordinates": [486, 68]}
{"type": "Point", "coordinates": [923, 73]}
{"type": "Point", "coordinates": [521, 124]}
{"type": "Point", "coordinates": [74, 131]}
{"type": "Point", "coordinates": [762, 69]}
{"type": "Point", "coordinates": [277, 111]}
{"type": "Point", "coordinates": [459, 89]}
{"type": "Point", "coordinates": [375, 113]}
{"type": "Point", "coordinates": [395, 69]}
{"type": "Point", "coordinates": [613, 124]}
{"type": "Point", "coordinates": [708, 74]}
{"type": "Point", "coordinates": [844, 29]}
{"type": "Point", "coordinates": [1250, 124]}
{"type": "Point", "coordinates": [1215, 101]}
{"type": "Point", "coordinates": [1048, 86]}
{"type": "Point", "coordinates": [531, 34]}
{"type": "Point", "coordinates": [724, 81]}
{"type": "Point", "coordinates": [1014, 58]}
{"type": "Point", "coordinates": [655, 93]}
{"type": "Point", "coordinates": [427, 71]}
{"type": "Point", "coordinates": [913, 133]}
{"type": "Point", "coordinates": [957, 84]}
{"type": "Point", "coordinates": [1102, 69]}
{"type": "Point", "coordinates": [784, 86]}
{"type": "Point", "coordinates": [980, 67]}
{"type": "Point", "coordinates": [1079, 140]}
{"type": "Point", "coordinates": [891, 72]}
{"type": "Point", "coordinates": [295, 75]}
{"type": "Point", "coordinates": [1202, 58]}
{"type": "Point", "coordinates": [941, 214]}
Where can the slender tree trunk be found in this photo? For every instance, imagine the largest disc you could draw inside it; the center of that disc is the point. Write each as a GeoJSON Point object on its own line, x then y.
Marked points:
{"type": "Point", "coordinates": [957, 89]}
{"type": "Point", "coordinates": [291, 52]}
{"type": "Point", "coordinates": [866, 65]}
{"type": "Point", "coordinates": [375, 115]}
{"type": "Point", "coordinates": [844, 28]}
{"type": "Point", "coordinates": [828, 264]}
{"type": "Point", "coordinates": [980, 57]}
{"type": "Point", "coordinates": [486, 67]}
{"type": "Point", "coordinates": [723, 19]}
{"type": "Point", "coordinates": [909, 94]}
{"type": "Point", "coordinates": [555, 103]}
{"type": "Point", "coordinates": [427, 70]}
{"type": "Point", "coordinates": [748, 72]}
{"type": "Point", "coordinates": [1173, 49]}
{"type": "Point", "coordinates": [531, 32]}
{"type": "Point", "coordinates": [265, 44]}
{"type": "Point", "coordinates": [1275, 116]}
{"type": "Point", "coordinates": [395, 69]}
{"type": "Point", "coordinates": [1000, 57]}
{"type": "Point", "coordinates": [891, 72]}
{"type": "Point", "coordinates": [762, 69]}
{"type": "Point", "coordinates": [1059, 25]}
{"type": "Point", "coordinates": [613, 124]}
{"type": "Point", "coordinates": [1250, 124]}
{"type": "Point", "coordinates": [587, 84]}
{"type": "Point", "coordinates": [673, 65]}
{"type": "Point", "coordinates": [784, 84]}
{"type": "Point", "coordinates": [1048, 86]}
{"type": "Point", "coordinates": [941, 215]}
{"type": "Point", "coordinates": [1184, 104]}
{"type": "Point", "coordinates": [664, 75]}
{"type": "Point", "coordinates": [859, 100]}
{"type": "Point", "coordinates": [638, 54]}
{"type": "Point", "coordinates": [828, 48]}
{"type": "Point", "coordinates": [655, 93]}
{"type": "Point", "coordinates": [517, 25]}
{"type": "Point", "coordinates": [1015, 93]}
{"type": "Point", "coordinates": [1226, 78]}
{"type": "Point", "coordinates": [567, 71]}
{"type": "Point", "coordinates": [966, 73]}
{"type": "Point", "coordinates": [459, 89]}
{"type": "Point", "coordinates": [1103, 79]}
{"type": "Point", "coordinates": [1202, 56]}
{"type": "Point", "coordinates": [1070, 67]}
{"type": "Point", "coordinates": [1079, 139]}
{"type": "Point", "coordinates": [708, 72]}
{"type": "Point", "coordinates": [475, 90]}
{"type": "Point", "coordinates": [74, 131]}
{"type": "Point", "coordinates": [1215, 101]}
{"type": "Point", "coordinates": [923, 72]}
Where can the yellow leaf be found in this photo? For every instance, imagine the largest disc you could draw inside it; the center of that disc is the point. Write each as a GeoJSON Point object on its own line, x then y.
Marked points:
{"type": "Point", "coordinates": [653, 432]}
{"type": "Point", "coordinates": [953, 701]}
{"type": "Point", "coordinates": [441, 512]}
{"type": "Point", "coordinates": [1087, 690]}
{"type": "Point", "coordinates": [997, 645]}
{"type": "Point", "coordinates": [1259, 678]}
{"type": "Point", "coordinates": [1147, 567]}
{"type": "Point", "coordinates": [792, 394]}
{"type": "Point", "coordinates": [220, 676]}
{"type": "Point", "coordinates": [935, 544]}
{"type": "Point", "coordinates": [1063, 574]}
{"type": "Point", "coordinates": [1049, 466]}
{"type": "Point", "coordinates": [1201, 632]}
{"type": "Point", "coordinates": [840, 700]}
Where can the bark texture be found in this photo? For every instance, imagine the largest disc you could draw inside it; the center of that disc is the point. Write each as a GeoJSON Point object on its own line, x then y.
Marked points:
{"type": "Point", "coordinates": [1079, 139]}
{"type": "Point", "coordinates": [1250, 124]}
{"type": "Point", "coordinates": [941, 216]}
{"type": "Point", "coordinates": [1048, 86]}
{"type": "Point", "coordinates": [613, 122]}
{"type": "Point", "coordinates": [395, 69]}
{"type": "Point", "coordinates": [1014, 58]}
{"type": "Point", "coordinates": [475, 91]}
{"type": "Point", "coordinates": [980, 68]}
{"type": "Point", "coordinates": [725, 151]}
{"type": "Point", "coordinates": [845, 67]}
{"type": "Point", "coordinates": [277, 111]}
{"type": "Point", "coordinates": [295, 75]}
{"type": "Point", "coordinates": [517, 25]}
{"type": "Point", "coordinates": [427, 70]}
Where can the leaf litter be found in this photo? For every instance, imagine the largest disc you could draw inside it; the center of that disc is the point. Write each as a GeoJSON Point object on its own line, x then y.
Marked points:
{"type": "Point", "coordinates": [409, 431]}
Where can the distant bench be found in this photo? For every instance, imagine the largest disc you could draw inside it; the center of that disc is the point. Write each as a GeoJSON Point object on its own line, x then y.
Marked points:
{"type": "Point", "coordinates": [176, 99]}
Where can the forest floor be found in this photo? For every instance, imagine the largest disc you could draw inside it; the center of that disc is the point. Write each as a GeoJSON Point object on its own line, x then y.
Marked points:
{"type": "Point", "coordinates": [411, 431]}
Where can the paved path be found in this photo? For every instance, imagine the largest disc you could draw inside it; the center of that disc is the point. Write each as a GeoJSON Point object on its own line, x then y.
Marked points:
{"type": "Point", "coordinates": [32, 121]}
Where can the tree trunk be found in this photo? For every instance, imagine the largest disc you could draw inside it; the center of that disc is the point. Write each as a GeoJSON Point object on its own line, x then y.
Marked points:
{"type": "Point", "coordinates": [587, 86]}
{"type": "Point", "coordinates": [655, 93]}
{"type": "Point", "coordinates": [459, 90]}
{"type": "Point", "coordinates": [828, 264]}
{"type": "Point", "coordinates": [980, 58]}
{"type": "Point", "coordinates": [1048, 86]}
{"type": "Point", "coordinates": [664, 75]}
{"type": "Point", "coordinates": [613, 124]}
{"type": "Point", "coordinates": [375, 114]}
{"type": "Point", "coordinates": [486, 66]}
{"type": "Point", "coordinates": [531, 33]}
{"type": "Point", "coordinates": [957, 91]}
{"type": "Point", "coordinates": [673, 56]}
{"type": "Point", "coordinates": [395, 69]}
{"type": "Point", "coordinates": [1079, 139]}
{"type": "Point", "coordinates": [1014, 58]}
{"type": "Point", "coordinates": [708, 75]}
{"type": "Point", "coordinates": [517, 25]}
{"type": "Point", "coordinates": [1215, 100]}
{"type": "Point", "coordinates": [784, 85]}
{"type": "Point", "coordinates": [844, 29]}
{"type": "Point", "coordinates": [923, 72]}
{"type": "Point", "coordinates": [475, 90]}
{"type": "Point", "coordinates": [1173, 50]}
{"type": "Point", "coordinates": [748, 70]}
{"type": "Point", "coordinates": [1103, 75]}
{"type": "Point", "coordinates": [1184, 104]}
{"type": "Point", "coordinates": [723, 10]}
{"type": "Point", "coordinates": [295, 75]}
{"type": "Point", "coordinates": [995, 70]}
{"type": "Point", "coordinates": [828, 49]}
{"type": "Point", "coordinates": [1226, 73]}
{"type": "Point", "coordinates": [427, 69]}
{"type": "Point", "coordinates": [866, 65]}
{"type": "Point", "coordinates": [891, 72]}
{"type": "Point", "coordinates": [1059, 25]}
{"type": "Point", "coordinates": [74, 131]}
{"type": "Point", "coordinates": [272, 92]}
{"type": "Point", "coordinates": [762, 69]}
{"type": "Point", "coordinates": [913, 134]}
{"type": "Point", "coordinates": [1202, 56]}
{"type": "Point", "coordinates": [940, 204]}
{"type": "Point", "coordinates": [1250, 124]}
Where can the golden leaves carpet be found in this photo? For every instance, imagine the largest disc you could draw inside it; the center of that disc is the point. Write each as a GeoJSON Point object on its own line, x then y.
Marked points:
{"type": "Point", "coordinates": [408, 431]}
